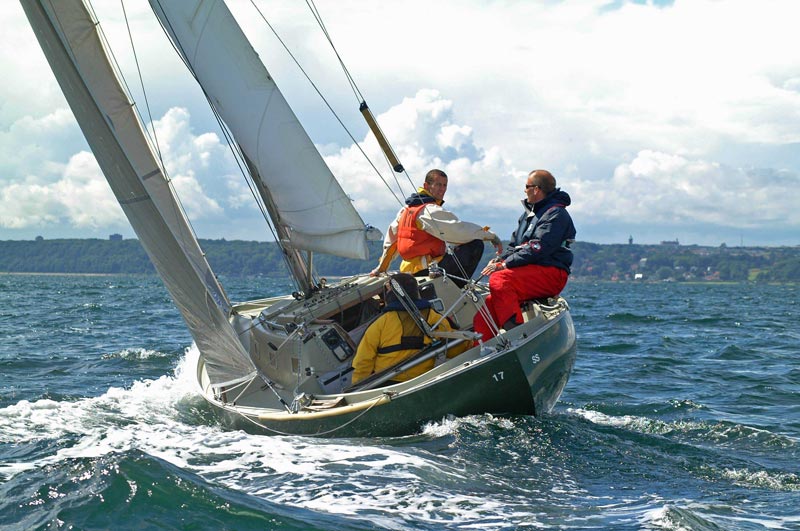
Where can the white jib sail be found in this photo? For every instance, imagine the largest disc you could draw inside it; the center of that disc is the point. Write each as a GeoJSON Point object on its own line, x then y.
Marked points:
{"type": "Point", "coordinates": [311, 205]}
{"type": "Point", "coordinates": [69, 38]}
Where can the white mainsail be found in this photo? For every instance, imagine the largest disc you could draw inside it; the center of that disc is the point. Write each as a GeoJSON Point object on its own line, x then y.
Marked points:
{"type": "Point", "coordinates": [312, 210]}
{"type": "Point", "coordinates": [69, 37]}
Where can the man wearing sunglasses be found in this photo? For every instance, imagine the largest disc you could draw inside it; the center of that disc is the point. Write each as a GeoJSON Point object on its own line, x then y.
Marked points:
{"type": "Point", "coordinates": [537, 262]}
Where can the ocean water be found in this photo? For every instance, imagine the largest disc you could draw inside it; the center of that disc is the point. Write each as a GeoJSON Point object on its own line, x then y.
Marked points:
{"type": "Point", "coordinates": [682, 413]}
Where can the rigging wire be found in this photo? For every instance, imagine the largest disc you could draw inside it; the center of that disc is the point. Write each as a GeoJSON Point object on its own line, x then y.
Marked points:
{"type": "Point", "coordinates": [318, 18]}
{"type": "Point", "coordinates": [141, 82]}
{"type": "Point", "coordinates": [359, 96]}
{"type": "Point", "coordinates": [324, 100]}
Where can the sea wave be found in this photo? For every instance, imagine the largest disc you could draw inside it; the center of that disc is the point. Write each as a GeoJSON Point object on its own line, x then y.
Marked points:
{"type": "Point", "coordinates": [721, 432]}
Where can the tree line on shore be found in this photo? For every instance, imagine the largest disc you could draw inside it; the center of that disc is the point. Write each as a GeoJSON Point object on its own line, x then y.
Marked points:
{"type": "Point", "coordinates": [249, 258]}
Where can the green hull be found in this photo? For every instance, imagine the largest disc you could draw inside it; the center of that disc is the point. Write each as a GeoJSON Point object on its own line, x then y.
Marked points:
{"type": "Point", "coordinates": [526, 378]}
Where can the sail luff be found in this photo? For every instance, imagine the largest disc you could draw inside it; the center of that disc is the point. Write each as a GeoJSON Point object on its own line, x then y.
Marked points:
{"type": "Point", "coordinates": [312, 209]}
{"type": "Point", "coordinates": [69, 38]}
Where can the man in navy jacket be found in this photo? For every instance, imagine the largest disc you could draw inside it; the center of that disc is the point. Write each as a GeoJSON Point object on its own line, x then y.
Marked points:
{"type": "Point", "coordinates": [538, 259]}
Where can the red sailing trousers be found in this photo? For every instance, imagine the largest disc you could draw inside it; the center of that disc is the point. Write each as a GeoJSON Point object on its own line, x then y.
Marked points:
{"type": "Point", "coordinates": [508, 288]}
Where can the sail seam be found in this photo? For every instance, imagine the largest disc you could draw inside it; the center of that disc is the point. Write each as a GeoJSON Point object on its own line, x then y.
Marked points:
{"type": "Point", "coordinates": [133, 200]}
{"type": "Point", "coordinates": [153, 173]}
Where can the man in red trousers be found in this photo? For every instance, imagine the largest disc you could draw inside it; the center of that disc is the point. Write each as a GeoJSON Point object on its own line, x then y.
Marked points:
{"type": "Point", "coordinates": [537, 261]}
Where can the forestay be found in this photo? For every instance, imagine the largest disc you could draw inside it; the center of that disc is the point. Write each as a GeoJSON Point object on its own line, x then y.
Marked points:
{"type": "Point", "coordinates": [70, 40]}
{"type": "Point", "coordinates": [306, 202]}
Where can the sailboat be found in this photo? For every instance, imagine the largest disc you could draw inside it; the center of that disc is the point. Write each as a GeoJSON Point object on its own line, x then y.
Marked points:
{"type": "Point", "coordinates": [283, 365]}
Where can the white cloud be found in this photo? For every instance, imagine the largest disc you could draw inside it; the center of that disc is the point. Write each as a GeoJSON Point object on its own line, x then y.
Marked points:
{"type": "Point", "coordinates": [670, 190]}
{"type": "Point", "coordinates": [83, 193]}
{"type": "Point", "coordinates": [80, 197]}
{"type": "Point", "coordinates": [30, 144]}
{"type": "Point", "coordinates": [239, 194]}
{"type": "Point", "coordinates": [186, 156]}
{"type": "Point", "coordinates": [23, 205]}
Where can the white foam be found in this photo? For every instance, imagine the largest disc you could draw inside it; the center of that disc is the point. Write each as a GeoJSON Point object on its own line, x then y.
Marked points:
{"type": "Point", "coordinates": [440, 429]}
{"type": "Point", "coordinates": [136, 354]}
{"type": "Point", "coordinates": [642, 424]}
{"type": "Point", "coordinates": [147, 401]}
{"type": "Point", "coordinates": [783, 481]}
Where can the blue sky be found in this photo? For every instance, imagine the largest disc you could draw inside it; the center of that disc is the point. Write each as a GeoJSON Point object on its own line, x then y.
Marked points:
{"type": "Point", "coordinates": [662, 120]}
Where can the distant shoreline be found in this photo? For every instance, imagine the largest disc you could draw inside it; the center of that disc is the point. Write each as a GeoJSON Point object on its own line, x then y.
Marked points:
{"type": "Point", "coordinates": [248, 259]}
